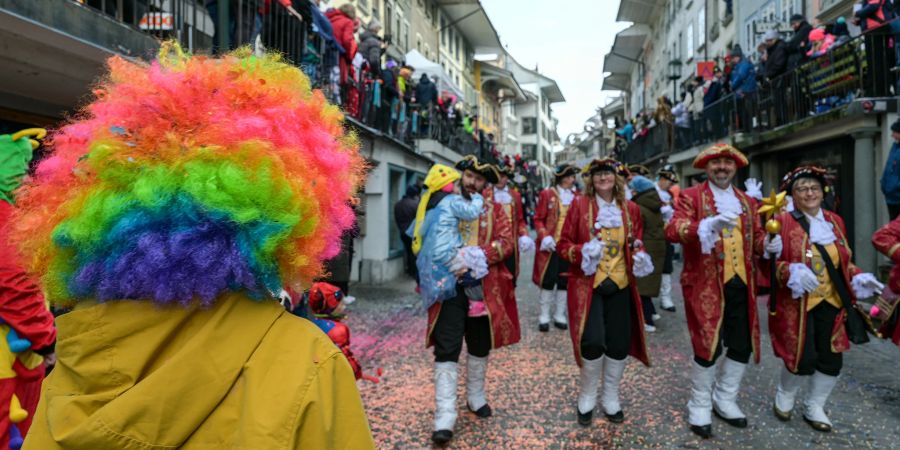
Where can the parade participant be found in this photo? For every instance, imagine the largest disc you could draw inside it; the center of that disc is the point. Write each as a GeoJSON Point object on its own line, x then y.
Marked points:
{"type": "Point", "coordinates": [511, 202]}
{"type": "Point", "coordinates": [27, 334]}
{"type": "Point", "coordinates": [647, 198]}
{"type": "Point", "coordinates": [721, 233]}
{"type": "Point", "coordinates": [449, 321]}
{"type": "Point", "coordinates": [549, 269]}
{"type": "Point", "coordinates": [601, 240]}
{"type": "Point", "coordinates": [816, 286]}
{"type": "Point", "coordinates": [638, 169]}
{"type": "Point", "coordinates": [172, 232]}
{"type": "Point", "coordinates": [887, 241]}
{"type": "Point", "coordinates": [667, 181]}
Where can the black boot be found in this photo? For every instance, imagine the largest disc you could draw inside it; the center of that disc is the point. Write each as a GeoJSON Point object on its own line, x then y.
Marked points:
{"type": "Point", "coordinates": [484, 412]}
{"type": "Point", "coordinates": [740, 422]}
{"type": "Point", "coordinates": [618, 417]}
{"type": "Point", "coordinates": [441, 437]}
{"type": "Point", "coordinates": [704, 431]}
{"type": "Point", "coordinates": [584, 419]}
{"type": "Point", "coordinates": [560, 325]}
{"type": "Point", "coordinates": [543, 327]}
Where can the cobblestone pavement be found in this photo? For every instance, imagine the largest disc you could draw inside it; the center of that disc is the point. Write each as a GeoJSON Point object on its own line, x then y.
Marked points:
{"type": "Point", "coordinates": [532, 387]}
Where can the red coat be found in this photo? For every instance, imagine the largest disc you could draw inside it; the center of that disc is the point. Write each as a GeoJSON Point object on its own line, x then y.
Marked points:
{"type": "Point", "coordinates": [701, 278]}
{"type": "Point", "coordinates": [787, 327]}
{"type": "Point", "coordinates": [578, 230]}
{"type": "Point", "coordinates": [516, 223]}
{"type": "Point", "coordinates": [495, 239]}
{"type": "Point", "coordinates": [343, 27]}
{"type": "Point", "coordinates": [546, 216]}
{"type": "Point", "coordinates": [22, 307]}
{"type": "Point", "coordinates": [887, 241]}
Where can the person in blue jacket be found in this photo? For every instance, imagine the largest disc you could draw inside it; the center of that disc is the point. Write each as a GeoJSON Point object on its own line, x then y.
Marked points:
{"type": "Point", "coordinates": [743, 74]}
{"type": "Point", "coordinates": [890, 179]}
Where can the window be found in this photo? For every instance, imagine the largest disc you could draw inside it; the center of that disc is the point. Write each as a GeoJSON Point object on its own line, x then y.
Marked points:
{"type": "Point", "coordinates": [529, 152]}
{"type": "Point", "coordinates": [443, 31]}
{"type": "Point", "coordinates": [787, 9]}
{"type": "Point", "coordinates": [458, 45]}
{"type": "Point", "coordinates": [452, 41]}
{"type": "Point", "coordinates": [529, 125]}
{"type": "Point", "coordinates": [689, 42]}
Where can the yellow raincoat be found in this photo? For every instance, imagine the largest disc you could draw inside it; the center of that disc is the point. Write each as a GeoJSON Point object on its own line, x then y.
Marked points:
{"type": "Point", "coordinates": [242, 374]}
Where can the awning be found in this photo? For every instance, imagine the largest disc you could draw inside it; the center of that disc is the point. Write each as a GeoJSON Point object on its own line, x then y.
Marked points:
{"type": "Point", "coordinates": [472, 21]}
{"type": "Point", "coordinates": [423, 65]}
{"type": "Point", "coordinates": [501, 78]}
{"type": "Point", "coordinates": [627, 48]}
{"type": "Point", "coordinates": [640, 11]}
{"type": "Point", "coordinates": [616, 82]}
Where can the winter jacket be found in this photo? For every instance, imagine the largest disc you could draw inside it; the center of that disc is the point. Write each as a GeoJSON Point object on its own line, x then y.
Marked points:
{"type": "Point", "coordinates": [654, 239]}
{"type": "Point", "coordinates": [890, 178]}
{"type": "Point", "coordinates": [743, 78]}
{"type": "Point", "coordinates": [426, 91]}
{"type": "Point", "coordinates": [441, 242]}
{"type": "Point", "coordinates": [798, 45]}
{"type": "Point", "coordinates": [681, 116]}
{"type": "Point", "coordinates": [697, 105]}
{"type": "Point", "coordinates": [343, 32]}
{"type": "Point", "coordinates": [240, 374]}
{"type": "Point", "coordinates": [370, 49]}
{"type": "Point", "coordinates": [874, 13]}
{"type": "Point", "coordinates": [713, 93]}
{"type": "Point", "coordinates": [777, 61]}
{"type": "Point", "coordinates": [405, 212]}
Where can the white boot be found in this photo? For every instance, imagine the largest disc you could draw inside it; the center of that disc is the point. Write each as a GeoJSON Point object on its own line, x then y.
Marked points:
{"type": "Point", "coordinates": [700, 404]}
{"type": "Point", "coordinates": [475, 373]}
{"type": "Point", "coordinates": [587, 389]}
{"type": "Point", "coordinates": [445, 395]}
{"type": "Point", "coordinates": [788, 386]}
{"type": "Point", "coordinates": [665, 293]}
{"type": "Point", "coordinates": [560, 319]}
{"type": "Point", "coordinates": [820, 386]}
{"type": "Point", "coordinates": [725, 393]}
{"type": "Point", "coordinates": [609, 399]}
{"type": "Point", "coordinates": [546, 303]}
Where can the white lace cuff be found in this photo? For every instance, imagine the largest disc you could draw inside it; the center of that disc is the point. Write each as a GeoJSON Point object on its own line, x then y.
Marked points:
{"type": "Point", "coordinates": [476, 261]}
{"type": "Point", "coordinates": [865, 285]}
{"type": "Point", "coordinates": [801, 280]}
{"type": "Point", "coordinates": [643, 265]}
{"type": "Point", "coordinates": [591, 252]}
{"type": "Point", "coordinates": [667, 212]}
{"type": "Point", "coordinates": [548, 244]}
{"type": "Point", "coordinates": [708, 236]}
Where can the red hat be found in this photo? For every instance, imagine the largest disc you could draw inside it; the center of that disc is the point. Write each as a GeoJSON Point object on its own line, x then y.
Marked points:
{"type": "Point", "coordinates": [324, 298]}
{"type": "Point", "coordinates": [720, 151]}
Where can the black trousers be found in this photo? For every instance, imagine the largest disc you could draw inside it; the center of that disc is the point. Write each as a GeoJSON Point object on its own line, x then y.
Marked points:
{"type": "Point", "coordinates": [735, 333]}
{"type": "Point", "coordinates": [893, 211]}
{"type": "Point", "coordinates": [510, 263]}
{"type": "Point", "coordinates": [454, 324]}
{"type": "Point", "coordinates": [668, 266]}
{"type": "Point", "coordinates": [607, 329]}
{"type": "Point", "coordinates": [649, 309]}
{"type": "Point", "coordinates": [409, 258]}
{"type": "Point", "coordinates": [553, 277]}
{"type": "Point", "coordinates": [817, 354]}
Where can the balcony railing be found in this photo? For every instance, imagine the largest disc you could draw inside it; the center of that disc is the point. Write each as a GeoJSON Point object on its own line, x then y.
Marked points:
{"type": "Point", "coordinates": [857, 69]}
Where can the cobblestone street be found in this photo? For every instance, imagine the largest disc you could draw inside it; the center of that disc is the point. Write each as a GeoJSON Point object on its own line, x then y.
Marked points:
{"type": "Point", "coordinates": [532, 388]}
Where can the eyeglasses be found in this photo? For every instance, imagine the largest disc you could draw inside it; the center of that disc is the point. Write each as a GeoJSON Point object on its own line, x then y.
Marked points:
{"type": "Point", "coordinates": [805, 189]}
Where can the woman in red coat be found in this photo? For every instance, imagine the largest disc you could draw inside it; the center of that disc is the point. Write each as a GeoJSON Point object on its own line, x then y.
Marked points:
{"type": "Point", "coordinates": [601, 240]}
{"type": "Point", "coordinates": [812, 295]}
{"type": "Point", "coordinates": [887, 241]}
{"type": "Point", "coordinates": [343, 21]}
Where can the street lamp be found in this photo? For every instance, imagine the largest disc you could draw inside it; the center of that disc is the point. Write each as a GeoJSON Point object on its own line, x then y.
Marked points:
{"type": "Point", "coordinates": [675, 75]}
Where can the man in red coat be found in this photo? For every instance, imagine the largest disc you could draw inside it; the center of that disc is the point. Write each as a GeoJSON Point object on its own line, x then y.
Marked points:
{"type": "Point", "coordinates": [510, 200]}
{"type": "Point", "coordinates": [22, 306]}
{"type": "Point", "coordinates": [449, 322]}
{"type": "Point", "coordinates": [887, 241]}
{"type": "Point", "coordinates": [550, 271]}
{"type": "Point", "coordinates": [721, 233]}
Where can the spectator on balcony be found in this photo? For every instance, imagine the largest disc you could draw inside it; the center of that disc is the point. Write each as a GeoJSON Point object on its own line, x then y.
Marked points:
{"type": "Point", "coordinates": [682, 123]}
{"type": "Point", "coordinates": [714, 88]}
{"type": "Point", "coordinates": [389, 93]}
{"type": "Point", "coordinates": [777, 59]}
{"type": "Point", "coordinates": [626, 132]}
{"type": "Point", "coordinates": [371, 47]}
{"type": "Point", "coordinates": [873, 14]}
{"type": "Point", "coordinates": [820, 42]}
{"type": "Point", "coordinates": [343, 22]}
{"type": "Point", "coordinates": [890, 178]}
{"type": "Point", "coordinates": [743, 75]}
{"type": "Point", "coordinates": [841, 32]}
{"type": "Point", "coordinates": [798, 46]}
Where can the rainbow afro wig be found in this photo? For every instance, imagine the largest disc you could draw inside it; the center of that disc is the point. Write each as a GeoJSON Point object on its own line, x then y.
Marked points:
{"type": "Point", "coordinates": [189, 178]}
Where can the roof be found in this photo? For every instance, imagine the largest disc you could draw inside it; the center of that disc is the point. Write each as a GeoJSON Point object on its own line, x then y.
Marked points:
{"type": "Point", "coordinates": [472, 21]}
{"type": "Point", "coordinates": [501, 78]}
{"type": "Point", "coordinates": [639, 11]}
{"type": "Point", "coordinates": [627, 47]}
{"type": "Point", "coordinates": [548, 85]}
{"type": "Point", "coordinates": [616, 82]}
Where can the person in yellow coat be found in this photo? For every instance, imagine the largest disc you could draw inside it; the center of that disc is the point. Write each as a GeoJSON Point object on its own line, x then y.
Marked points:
{"type": "Point", "coordinates": [169, 216]}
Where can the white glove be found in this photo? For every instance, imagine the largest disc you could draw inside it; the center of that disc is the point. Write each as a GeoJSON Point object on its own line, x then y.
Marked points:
{"type": "Point", "coordinates": [476, 261]}
{"type": "Point", "coordinates": [773, 246]}
{"type": "Point", "coordinates": [722, 221]}
{"type": "Point", "coordinates": [643, 264]}
{"type": "Point", "coordinates": [754, 188]}
{"type": "Point", "coordinates": [667, 212]}
{"type": "Point", "coordinates": [591, 253]}
{"type": "Point", "coordinates": [865, 285]}
{"type": "Point", "coordinates": [802, 280]}
{"type": "Point", "coordinates": [548, 244]}
{"type": "Point", "coordinates": [526, 244]}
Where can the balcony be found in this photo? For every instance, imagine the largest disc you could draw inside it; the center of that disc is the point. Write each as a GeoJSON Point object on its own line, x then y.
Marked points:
{"type": "Point", "coordinates": [823, 89]}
